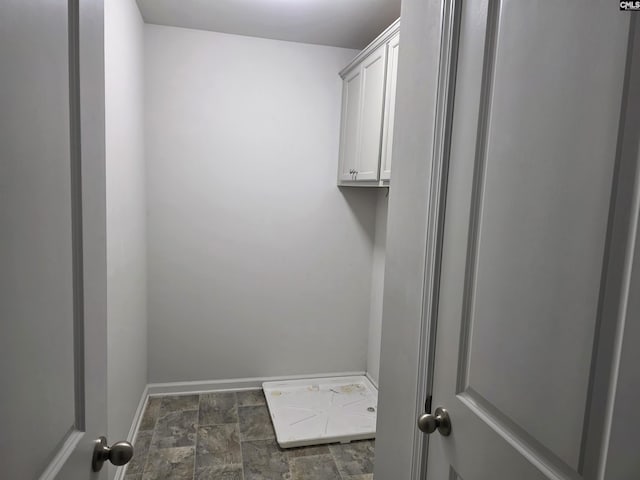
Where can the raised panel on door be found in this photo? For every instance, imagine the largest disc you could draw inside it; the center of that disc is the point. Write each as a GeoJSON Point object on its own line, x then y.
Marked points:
{"type": "Point", "coordinates": [373, 77]}
{"type": "Point", "coordinates": [349, 137]}
{"type": "Point", "coordinates": [50, 412]}
{"type": "Point", "coordinates": [390, 107]}
{"type": "Point", "coordinates": [531, 175]}
{"type": "Point", "coordinates": [37, 278]}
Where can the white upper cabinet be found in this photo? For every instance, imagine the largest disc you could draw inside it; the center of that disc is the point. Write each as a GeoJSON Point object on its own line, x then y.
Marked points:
{"type": "Point", "coordinates": [350, 123]}
{"type": "Point", "coordinates": [373, 70]}
{"type": "Point", "coordinates": [390, 107]}
{"type": "Point", "coordinates": [368, 100]}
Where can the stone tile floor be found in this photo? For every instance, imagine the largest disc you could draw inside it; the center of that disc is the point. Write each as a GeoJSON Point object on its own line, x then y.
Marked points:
{"type": "Point", "coordinates": [229, 436]}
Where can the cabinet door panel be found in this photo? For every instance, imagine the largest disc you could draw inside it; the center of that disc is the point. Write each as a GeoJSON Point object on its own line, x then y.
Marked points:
{"type": "Point", "coordinates": [373, 76]}
{"type": "Point", "coordinates": [351, 109]}
{"type": "Point", "coordinates": [390, 106]}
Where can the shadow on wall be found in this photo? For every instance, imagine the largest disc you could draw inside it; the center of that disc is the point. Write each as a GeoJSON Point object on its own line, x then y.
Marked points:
{"type": "Point", "coordinates": [362, 203]}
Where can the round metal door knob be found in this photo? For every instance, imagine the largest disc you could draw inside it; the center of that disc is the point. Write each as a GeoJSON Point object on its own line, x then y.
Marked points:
{"type": "Point", "coordinates": [118, 454]}
{"type": "Point", "coordinates": [439, 420]}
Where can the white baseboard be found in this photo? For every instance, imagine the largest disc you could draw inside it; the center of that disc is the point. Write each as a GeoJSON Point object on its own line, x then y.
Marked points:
{"type": "Point", "coordinates": [137, 417]}
{"type": "Point", "coordinates": [372, 380]}
{"type": "Point", "coordinates": [185, 388]}
{"type": "Point", "coordinates": [133, 430]}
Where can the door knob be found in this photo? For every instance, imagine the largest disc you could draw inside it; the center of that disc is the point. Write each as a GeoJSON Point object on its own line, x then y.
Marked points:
{"type": "Point", "coordinates": [429, 423]}
{"type": "Point", "coordinates": [118, 454]}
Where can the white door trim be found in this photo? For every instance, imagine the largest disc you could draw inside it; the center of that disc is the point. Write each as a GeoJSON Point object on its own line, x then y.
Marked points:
{"type": "Point", "coordinates": [450, 24]}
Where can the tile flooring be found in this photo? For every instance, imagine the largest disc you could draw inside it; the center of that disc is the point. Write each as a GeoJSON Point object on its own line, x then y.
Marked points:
{"type": "Point", "coordinates": [229, 436]}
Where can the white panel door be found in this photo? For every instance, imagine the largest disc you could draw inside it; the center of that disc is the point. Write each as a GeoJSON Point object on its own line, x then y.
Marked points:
{"type": "Point", "coordinates": [533, 248]}
{"type": "Point", "coordinates": [52, 283]}
{"type": "Point", "coordinates": [373, 76]}
{"type": "Point", "coordinates": [350, 134]}
{"type": "Point", "coordinates": [390, 106]}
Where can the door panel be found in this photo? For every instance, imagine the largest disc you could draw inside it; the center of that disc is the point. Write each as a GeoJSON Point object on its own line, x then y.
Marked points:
{"type": "Point", "coordinates": [35, 208]}
{"type": "Point", "coordinates": [533, 151]}
{"type": "Point", "coordinates": [46, 399]}
{"type": "Point", "coordinates": [351, 105]}
{"type": "Point", "coordinates": [373, 71]}
{"type": "Point", "coordinates": [538, 256]}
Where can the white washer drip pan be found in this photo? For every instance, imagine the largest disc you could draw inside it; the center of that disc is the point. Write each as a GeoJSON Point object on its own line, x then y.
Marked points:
{"type": "Point", "coordinates": [322, 410]}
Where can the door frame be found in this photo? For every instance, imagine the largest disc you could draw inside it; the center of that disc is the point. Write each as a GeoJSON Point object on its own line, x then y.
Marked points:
{"type": "Point", "coordinates": [628, 159]}
{"type": "Point", "coordinates": [88, 197]}
{"type": "Point", "coordinates": [449, 35]}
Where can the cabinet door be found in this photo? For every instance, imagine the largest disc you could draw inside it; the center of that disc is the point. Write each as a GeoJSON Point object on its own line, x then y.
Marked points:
{"type": "Point", "coordinates": [351, 109]}
{"type": "Point", "coordinates": [373, 72]}
{"type": "Point", "coordinates": [390, 107]}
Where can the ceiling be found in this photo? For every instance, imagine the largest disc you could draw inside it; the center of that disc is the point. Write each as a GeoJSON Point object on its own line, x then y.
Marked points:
{"type": "Point", "coordinates": [338, 23]}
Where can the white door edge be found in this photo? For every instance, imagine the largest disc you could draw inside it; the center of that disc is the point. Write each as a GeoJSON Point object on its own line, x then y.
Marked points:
{"type": "Point", "coordinates": [448, 48]}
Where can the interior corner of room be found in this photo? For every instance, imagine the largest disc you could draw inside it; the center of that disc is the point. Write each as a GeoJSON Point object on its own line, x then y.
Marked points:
{"type": "Point", "coordinates": [232, 255]}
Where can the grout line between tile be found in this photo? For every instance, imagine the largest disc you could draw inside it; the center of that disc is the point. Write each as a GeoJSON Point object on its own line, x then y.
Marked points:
{"type": "Point", "coordinates": [336, 462]}
{"type": "Point", "coordinates": [153, 434]}
{"type": "Point", "coordinates": [195, 443]}
{"type": "Point", "coordinates": [241, 454]}
{"type": "Point", "coordinates": [235, 394]}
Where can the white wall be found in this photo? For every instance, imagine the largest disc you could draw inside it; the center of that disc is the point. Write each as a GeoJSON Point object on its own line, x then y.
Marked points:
{"type": "Point", "coordinates": [258, 264]}
{"type": "Point", "coordinates": [377, 285]}
{"type": "Point", "coordinates": [126, 239]}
